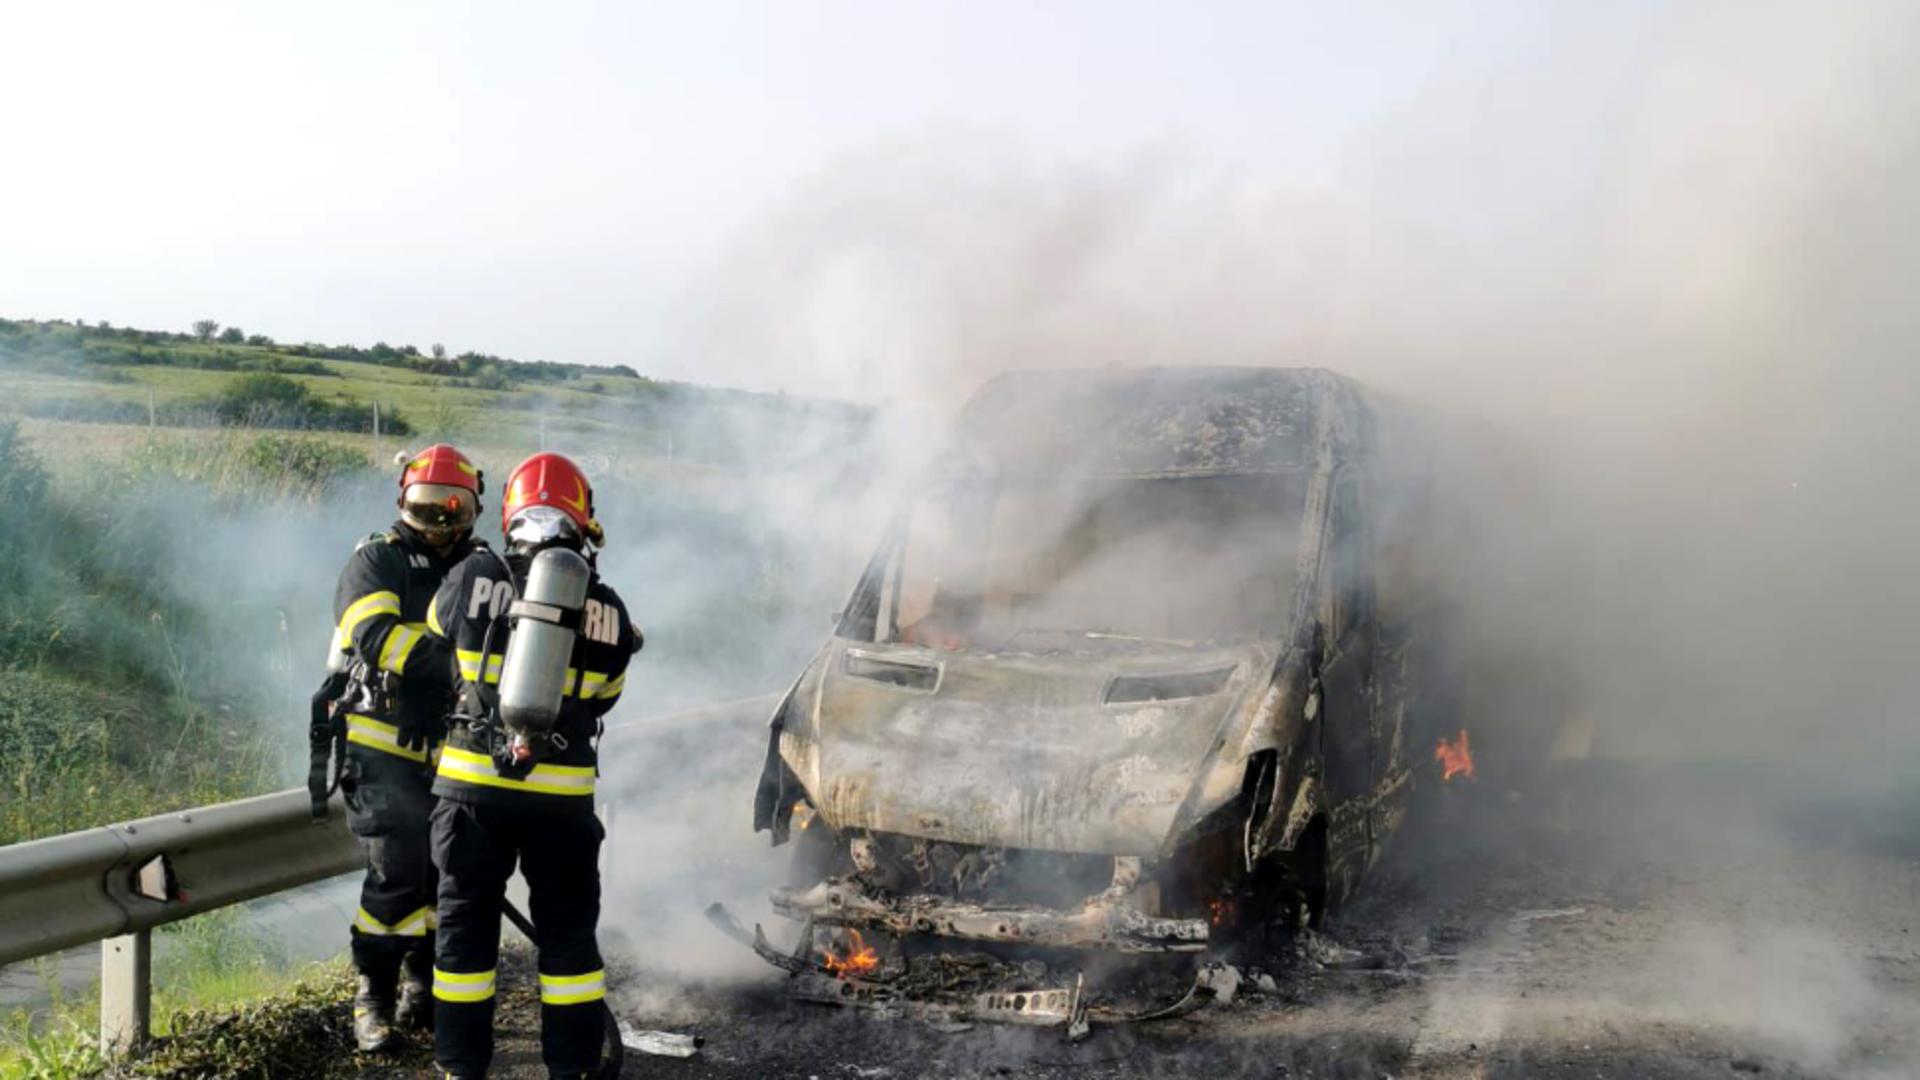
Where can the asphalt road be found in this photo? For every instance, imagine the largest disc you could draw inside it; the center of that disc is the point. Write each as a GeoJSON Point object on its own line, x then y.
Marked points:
{"type": "Point", "coordinates": [1612, 922]}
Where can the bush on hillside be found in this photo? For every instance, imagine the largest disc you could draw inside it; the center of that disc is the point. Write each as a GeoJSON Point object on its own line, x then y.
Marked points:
{"type": "Point", "coordinates": [307, 461]}
{"type": "Point", "coordinates": [285, 365]}
{"type": "Point", "coordinates": [267, 399]}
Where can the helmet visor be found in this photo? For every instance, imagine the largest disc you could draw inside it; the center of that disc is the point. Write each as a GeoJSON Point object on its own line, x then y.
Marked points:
{"type": "Point", "coordinates": [442, 512]}
{"type": "Point", "coordinates": [538, 527]}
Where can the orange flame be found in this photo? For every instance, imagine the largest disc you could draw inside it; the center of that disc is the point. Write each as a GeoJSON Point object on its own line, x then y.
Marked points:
{"type": "Point", "coordinates": [1455, 758]}
{"type": "Point", "coordinates": [857, 960]}
{"type": "Point", "coordinates": [1220, 911]}
{"type": "Point", "coordinates": [802, 815]}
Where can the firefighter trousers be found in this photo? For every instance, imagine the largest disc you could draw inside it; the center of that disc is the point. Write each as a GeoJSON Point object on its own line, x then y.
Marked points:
{"type": "Point", "coordinates": [475, 848]}
{"type": "Point", "coordinates": [389, 804]}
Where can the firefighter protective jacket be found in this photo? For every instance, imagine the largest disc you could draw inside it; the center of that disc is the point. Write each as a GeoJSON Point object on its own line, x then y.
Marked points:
{"type": "Point", "coordinates": [380, 610]}
{"type": "Point", "coordinates": [470, 613]}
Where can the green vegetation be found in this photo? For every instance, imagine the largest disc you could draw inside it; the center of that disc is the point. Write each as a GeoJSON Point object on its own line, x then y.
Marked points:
{"type": "Point", "coordinates": [227, 1002]}
{"type": "Point", "coordinates": [118, 694]}
{"type": "Point", "coordinates": [264, 399]}
{"type": "Point", "coordinates": [54, 342]}
{"type": "Point", "coordinates": [76, 372]}
{"type": "Point", "coordinates": [79, 756]}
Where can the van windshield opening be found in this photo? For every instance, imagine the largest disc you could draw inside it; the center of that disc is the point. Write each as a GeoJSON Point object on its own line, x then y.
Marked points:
{"type": "Point", "coordinates": [1033, 565]}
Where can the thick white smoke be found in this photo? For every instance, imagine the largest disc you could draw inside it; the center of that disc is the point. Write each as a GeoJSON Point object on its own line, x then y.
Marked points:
{"type": "Point", "coordinates": [1653, 280]}
{"type": "Point", "coordinates": [1651, 284]}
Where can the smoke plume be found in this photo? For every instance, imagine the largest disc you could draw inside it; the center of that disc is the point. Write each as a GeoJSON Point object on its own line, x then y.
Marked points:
{"type": "Point", "coordinates": [1649, 284]}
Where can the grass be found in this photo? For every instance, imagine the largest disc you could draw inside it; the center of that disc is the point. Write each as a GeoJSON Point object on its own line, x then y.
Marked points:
{"type": "Point", "coordinates": [79, 755]}
{"type": "Point", "coordinates": [119, 692]}
{"type": "Point", "coordinates": [227, 1002]}
{"type": "Point", "coordinates": [435, 407]}
{"type": "Point", "coordinates": [628, 418]}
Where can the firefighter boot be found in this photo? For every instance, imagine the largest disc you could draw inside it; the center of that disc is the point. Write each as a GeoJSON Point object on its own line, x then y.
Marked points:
{"type": "Point", "coordinates": [414, 1012]}
{"type": "Point", "coordinates": [373, 1015]}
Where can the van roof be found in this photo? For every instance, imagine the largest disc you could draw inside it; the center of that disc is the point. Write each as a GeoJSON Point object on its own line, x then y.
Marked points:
{"type": "Point", "coordinates": [1158, 422]}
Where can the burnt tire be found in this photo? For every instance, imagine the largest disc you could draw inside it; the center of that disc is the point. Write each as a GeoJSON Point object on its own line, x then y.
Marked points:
{"type": "Point", "coordinates": [1283, 896]}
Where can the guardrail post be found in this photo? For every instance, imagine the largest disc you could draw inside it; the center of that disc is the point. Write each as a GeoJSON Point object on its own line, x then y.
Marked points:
{"type": "Point", "coordinates": [126, 992]}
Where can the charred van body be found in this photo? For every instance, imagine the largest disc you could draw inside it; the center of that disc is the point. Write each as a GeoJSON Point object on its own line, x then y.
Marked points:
{"type": "Point", "coordinates": [1134, 670]}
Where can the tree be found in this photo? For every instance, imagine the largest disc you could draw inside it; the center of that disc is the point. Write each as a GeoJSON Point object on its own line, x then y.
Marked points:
{"type": "Point", "coordinates": [233, 335]}
{"type": "Point", "coordinates": [259, 339]}
{"type": "Point", "coordinates": [204, 329]}
{"type": "Point", "coordinates": [439, 351]}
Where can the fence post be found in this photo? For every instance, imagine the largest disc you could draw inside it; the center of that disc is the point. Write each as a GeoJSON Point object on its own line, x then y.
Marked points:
{"type": "Point", "coordinates": [126, 992]}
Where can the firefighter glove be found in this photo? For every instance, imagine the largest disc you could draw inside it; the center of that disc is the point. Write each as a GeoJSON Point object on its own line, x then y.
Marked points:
{"type": "Point", "coordinates": [413, 735]}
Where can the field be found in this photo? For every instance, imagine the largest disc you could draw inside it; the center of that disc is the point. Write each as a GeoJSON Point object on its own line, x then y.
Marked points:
{"type": "Point", "coordinates": [76, 372]}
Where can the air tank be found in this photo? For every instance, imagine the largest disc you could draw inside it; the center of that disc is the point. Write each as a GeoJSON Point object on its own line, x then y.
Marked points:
{"type": "Point", "coordinates": [533, 678]}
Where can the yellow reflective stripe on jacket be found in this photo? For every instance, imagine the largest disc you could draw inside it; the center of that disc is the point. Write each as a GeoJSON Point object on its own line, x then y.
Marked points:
{"type": "Point", "coordinates": [467, 767]}
{"type": "Point", "coordinates": [414, 925]}
{"type": "Point", "coordinates": [580, 684]}
{"type": "Point", "coordinates": [380, 603]}
{"type": "Point", "coordinates": [470, 665]}
{"type": "Point", "coordinates": [433, 620]}
{"type": "Point", "coordinates": [594, 684]}
{"type": "Point", "coordinates": [366, 731]}
{"type": "Point", "coordinates": [400, 642]}
{"type": "Point", "coordinates": [573, 989]}
{"type": "Point", "coordinates": [458, 986]}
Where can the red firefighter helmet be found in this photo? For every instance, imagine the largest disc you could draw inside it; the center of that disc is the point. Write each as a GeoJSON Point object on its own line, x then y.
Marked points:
{"type": "Point", "coordinates": [555, 483]}
{"type": "Point", "coordinates": [440, 493]}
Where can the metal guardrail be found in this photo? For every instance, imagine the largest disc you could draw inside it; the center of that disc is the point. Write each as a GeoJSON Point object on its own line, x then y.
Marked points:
{"type": "Point", "coordinates": [115, 883]}
{"type": "Point", "coordinates": [121, 879]}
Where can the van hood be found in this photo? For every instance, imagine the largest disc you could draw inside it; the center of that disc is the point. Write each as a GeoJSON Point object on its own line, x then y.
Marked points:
{"type": "Point", "coordinates": [1108, 749]}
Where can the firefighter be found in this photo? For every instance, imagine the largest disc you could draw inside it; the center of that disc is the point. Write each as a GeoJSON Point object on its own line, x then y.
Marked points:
{"type": "Point", "coordinates": [398, 685]}
{"type": "Point", "coordinates": [514, 790]}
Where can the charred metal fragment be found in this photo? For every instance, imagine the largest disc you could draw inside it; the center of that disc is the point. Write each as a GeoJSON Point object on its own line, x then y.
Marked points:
{"type": "Point", "coordinates": [718, 915]}
{"type": "Point", "coordinates": [1103, 922]}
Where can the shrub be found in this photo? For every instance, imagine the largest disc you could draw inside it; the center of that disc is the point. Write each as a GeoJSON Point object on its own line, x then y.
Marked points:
{"type": "Point", "coordinates": [305, 462]}
{"type": "Point", "coordinates": [284, 365]}
{"type": "Point", "coordinates": [268, 399]}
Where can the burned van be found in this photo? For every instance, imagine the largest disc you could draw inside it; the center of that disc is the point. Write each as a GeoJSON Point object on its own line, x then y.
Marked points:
{"type": "Point", "coordinates": [1120, 677]}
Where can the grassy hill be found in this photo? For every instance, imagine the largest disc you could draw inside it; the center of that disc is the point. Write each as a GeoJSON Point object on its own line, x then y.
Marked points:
{"type": "Point", "coordinates": [71, 371]}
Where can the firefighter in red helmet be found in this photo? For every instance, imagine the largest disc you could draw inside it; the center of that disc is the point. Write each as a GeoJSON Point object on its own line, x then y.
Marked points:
{"type": "Point", "coordinates": [541, 646]}
{"type": "Point", "coordinates": [394, 688]}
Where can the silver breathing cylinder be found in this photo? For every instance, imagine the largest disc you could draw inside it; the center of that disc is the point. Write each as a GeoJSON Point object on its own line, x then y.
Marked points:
{"type": "Point", "coordinates": [337, 658]}
{"type": "Point", "coordinates": [533, 678]}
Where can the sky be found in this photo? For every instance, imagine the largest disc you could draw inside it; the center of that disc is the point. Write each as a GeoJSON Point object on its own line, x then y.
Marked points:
{"type": "Point", "coordinates": [566, 182]}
